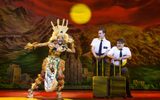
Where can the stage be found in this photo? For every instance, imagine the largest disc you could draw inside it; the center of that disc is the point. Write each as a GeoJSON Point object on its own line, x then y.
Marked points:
{"type": "Point", "coordinates": [73, 94]}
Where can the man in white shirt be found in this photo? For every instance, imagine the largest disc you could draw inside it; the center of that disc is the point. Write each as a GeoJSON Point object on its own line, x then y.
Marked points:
{"type": "Point", "coordinates": [119, 55]}
{"type": "Point", "coordinates": [100, 47]}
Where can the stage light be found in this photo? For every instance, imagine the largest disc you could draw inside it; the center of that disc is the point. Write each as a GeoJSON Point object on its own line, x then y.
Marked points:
{"type": "Point", "coordinates": [80, 13]}
{"type": "Point", "coordinates": [17, 98]}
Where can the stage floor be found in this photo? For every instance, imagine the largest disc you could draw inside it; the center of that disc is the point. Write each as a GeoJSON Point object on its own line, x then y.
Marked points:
{"type": "Point", "coordinates": [73, 95]}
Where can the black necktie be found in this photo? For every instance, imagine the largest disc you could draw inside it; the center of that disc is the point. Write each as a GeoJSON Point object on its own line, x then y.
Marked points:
{"type": "Point", "coordinates": [120, 55]}
{"type": "Point", "coordinates": [100, 48]}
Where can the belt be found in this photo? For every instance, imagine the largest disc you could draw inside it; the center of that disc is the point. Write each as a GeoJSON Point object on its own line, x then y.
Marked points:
{"type": "Point", "coordinates": [99, 54]}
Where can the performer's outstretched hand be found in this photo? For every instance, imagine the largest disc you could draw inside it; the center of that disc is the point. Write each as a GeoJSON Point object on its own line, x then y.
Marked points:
{"type": "Point", "coordinates": [29, 46]}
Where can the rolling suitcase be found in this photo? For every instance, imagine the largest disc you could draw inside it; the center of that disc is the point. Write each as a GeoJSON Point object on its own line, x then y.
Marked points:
{"type": "Point", "coordinates": [117, 84]}
{"type": "Point", "coordinates": [100, 83]}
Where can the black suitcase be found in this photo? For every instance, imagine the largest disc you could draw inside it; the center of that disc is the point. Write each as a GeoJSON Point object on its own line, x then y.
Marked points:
{"type": "Point", "coordinates": [100, 83]}
{"type": "Point", "coordinates": [117, 84]}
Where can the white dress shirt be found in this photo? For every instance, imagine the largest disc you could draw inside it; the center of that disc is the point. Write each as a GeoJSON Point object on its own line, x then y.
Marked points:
{"type": "Point", "coordinates": [116, 53]}
{"type": "Point", "coordinates": [106, 45]}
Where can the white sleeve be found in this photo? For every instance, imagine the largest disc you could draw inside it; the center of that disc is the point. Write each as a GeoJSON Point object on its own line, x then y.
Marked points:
{"type": "Point", "coordinates": [129, 52]}
{"type": "Point", "coordinates": [109, 45]}
{"type": "Point", "coordinates": [111, 51]}
{"type": "Point", "coordinates": [93, 42]}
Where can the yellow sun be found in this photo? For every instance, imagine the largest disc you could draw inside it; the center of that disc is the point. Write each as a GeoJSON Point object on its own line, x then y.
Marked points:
{"type": "Point", "coordinates": [80, 13]}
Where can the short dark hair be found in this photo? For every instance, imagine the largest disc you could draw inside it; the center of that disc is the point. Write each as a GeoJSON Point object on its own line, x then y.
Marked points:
{"type": "Point", "coordinates": [102, 29]}
{"type": "Point", "coordinates": [121, 40]}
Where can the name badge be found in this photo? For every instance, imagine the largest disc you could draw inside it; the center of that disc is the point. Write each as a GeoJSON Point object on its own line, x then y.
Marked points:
{"type": "Point", "coordinates": [105, 47]}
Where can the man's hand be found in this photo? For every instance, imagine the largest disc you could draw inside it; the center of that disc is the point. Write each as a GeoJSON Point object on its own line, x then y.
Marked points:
{"type": "Point", "coordinates": [126, 57]}
{"type": "Point", "coordinates": [102, 56]}
{"type": "Point", "coordinates": [97, 57]}
{"type": "Point", "coordinates": [118, 59]}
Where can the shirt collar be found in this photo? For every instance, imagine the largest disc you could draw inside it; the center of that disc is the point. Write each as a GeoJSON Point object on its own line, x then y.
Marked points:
{"type": "Point", "coordinates": [102, 39]}
{"type": "Point", "coordinates": [120, 49]}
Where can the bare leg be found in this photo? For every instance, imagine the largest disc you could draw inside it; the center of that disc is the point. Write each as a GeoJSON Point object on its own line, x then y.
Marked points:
{"type": "Point", "coordinates": [34, 85]}
{"type": "Point", "coordinates": [60, 79]}
{"type": "Point", "coordinates": [38, 80]}
{"type": "Point", "coordinates": [59, 88]}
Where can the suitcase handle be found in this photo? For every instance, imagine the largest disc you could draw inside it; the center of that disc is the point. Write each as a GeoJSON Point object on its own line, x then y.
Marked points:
{"type": "Point", "coordinates": [102, 68]}
{"type": "Point", "coordinates": [114, 68]}
{"type": "Point", "coordinates": [97, 67]}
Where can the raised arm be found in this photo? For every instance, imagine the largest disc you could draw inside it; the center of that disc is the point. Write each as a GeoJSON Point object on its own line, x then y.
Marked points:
{"type": "Point", "coordinates": [35, 45]}
{"type": "Point", "coordinates": [41, 44]}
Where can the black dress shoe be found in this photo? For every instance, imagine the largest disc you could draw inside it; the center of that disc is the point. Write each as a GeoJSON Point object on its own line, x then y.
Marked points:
{"type": "Point", "coordinates": [129, 96]}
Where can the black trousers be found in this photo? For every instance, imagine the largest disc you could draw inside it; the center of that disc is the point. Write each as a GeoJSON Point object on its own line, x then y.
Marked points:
{"type": "Point", "coordinates": [99, 66]}
{"type": "Point", "coordinates": [125, 73]}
